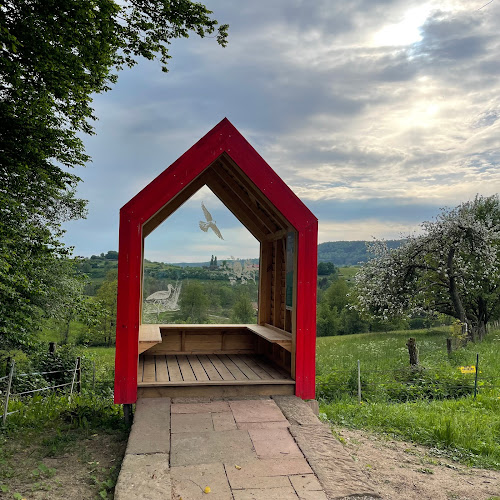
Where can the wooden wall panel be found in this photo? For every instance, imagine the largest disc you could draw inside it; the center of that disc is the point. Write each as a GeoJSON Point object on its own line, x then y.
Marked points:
{"type": "Point", "coordinates": [207, 342]}
{"type": "Point", "coordinates": [170, 344]}
{"type": "Point", "coordinates": [203, 342]}
{"type": "Point", "coordinates": [265, 282]}
{"type": "Point", "coordinates": [239, 342]}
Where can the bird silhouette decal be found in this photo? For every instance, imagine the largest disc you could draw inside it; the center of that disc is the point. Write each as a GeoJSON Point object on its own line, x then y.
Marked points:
{"type": "Point", "coordinates": [210, 223]}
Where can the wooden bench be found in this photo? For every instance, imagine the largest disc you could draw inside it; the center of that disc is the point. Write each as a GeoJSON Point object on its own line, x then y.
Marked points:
{"type": "Point", "coordinates": [150, 335]}
{"type": "Point", "coordinates": [273, 335]}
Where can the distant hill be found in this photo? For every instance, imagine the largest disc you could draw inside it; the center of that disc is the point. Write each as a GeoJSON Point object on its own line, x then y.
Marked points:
{"type": "Point", "coordinates": [207, 263]}
{"type": "Point", "coordinates": [348, 253]}
{"type": "Point", "coordinates": [340, 253]}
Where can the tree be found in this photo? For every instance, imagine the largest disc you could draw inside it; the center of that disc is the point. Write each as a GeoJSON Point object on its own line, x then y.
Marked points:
{"type": "Point", "coordinates": [326, 268]}
{"type": "Point", "coordinates": [111, 255]}
{"type": "Point", "coordinates": [193, 303]}
{"type": "Point", "coordinates": [243, 311]}
{"type": "Point", "coordinates": [55, 54]}
{"type": "Point", "coordinates": [453, 268]}
{"type": "Point", "coordinates": [106, 297]}
{"type": "Point", "coordinates": [336, 313]}
{"type": "Point", "coordinates": [65, 300]}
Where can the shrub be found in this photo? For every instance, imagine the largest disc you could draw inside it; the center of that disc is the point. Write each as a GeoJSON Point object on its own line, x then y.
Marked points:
{"type": "Point", "coordinates": [411, 385]}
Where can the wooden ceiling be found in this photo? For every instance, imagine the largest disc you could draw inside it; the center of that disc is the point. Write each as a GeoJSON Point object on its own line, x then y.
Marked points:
{"type": "Point", "coordinates": [238, 193]}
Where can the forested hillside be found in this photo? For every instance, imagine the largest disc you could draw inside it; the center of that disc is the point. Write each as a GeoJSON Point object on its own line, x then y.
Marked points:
{"type": "Point", "coordinates": [347, 253]}
{"type": "Point", "coordinates": [340, 253]}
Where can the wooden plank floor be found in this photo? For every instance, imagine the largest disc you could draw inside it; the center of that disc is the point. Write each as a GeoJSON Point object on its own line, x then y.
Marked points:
{"type": "Point", "coordinates": [210, 369]}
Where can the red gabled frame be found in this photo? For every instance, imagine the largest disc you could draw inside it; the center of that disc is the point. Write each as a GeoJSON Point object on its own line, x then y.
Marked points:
{"type": "Point", "coordinates": [224, 138]}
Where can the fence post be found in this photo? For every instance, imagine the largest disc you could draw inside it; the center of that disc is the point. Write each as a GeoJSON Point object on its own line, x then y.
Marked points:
{"type": "Point", "coordinates": [449, 346]}
{"type": "Point", "coordinates": [359, 382]}
{"type": "Point", "coordinates": [413, 352]}
{"type": "Point", "coordinates": [79, 382]}
{"type": "Point", "coordinates": [475, 378]}
{"type": "Point", "coordinates": [73, 381]}
{"type": "Point", "coordinates": [7, 396]}
{"type": "Point", "coordinates": [128, 414]}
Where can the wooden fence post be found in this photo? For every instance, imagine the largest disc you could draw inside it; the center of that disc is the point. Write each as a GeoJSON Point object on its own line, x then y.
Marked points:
{"type": "Point", "coordinates": [73, 381]}
{"type": "Point", "coordinates": [449, 347]}
{"type": "Point", "coordinates": [79, 383]}
{"type": "Point", "coordinates": [413, 352]}
{"type": "Point", "coordinates": [359, 381]}
{"type": "Point", "coordinates": [475, 378]}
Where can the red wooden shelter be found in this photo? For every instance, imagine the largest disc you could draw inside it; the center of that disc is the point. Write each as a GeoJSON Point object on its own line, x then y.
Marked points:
{"type": "Point", "coordinates": [275, 356]}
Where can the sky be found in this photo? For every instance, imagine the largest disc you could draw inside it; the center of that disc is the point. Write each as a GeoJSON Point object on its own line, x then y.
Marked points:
{"type": "Point", "coordinates": [376, 113]}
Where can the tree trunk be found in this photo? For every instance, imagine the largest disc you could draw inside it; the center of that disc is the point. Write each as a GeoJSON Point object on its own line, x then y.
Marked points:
{"type": "Point", "coordinates": [413, 352]}
{"type": "Point", "coordinates": [66, 332]}
{"type": "Point", "coordinates": [468, 332]}
{"type": "Point", "coordinates": [454, 295]}
{"type": "Point", "coordinates": [482, 318]}
{"type": "Point", "coordinates": [481, 330]}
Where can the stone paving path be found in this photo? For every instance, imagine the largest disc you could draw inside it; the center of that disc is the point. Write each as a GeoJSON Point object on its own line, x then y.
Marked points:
{"type": "Point", "coordinates": [239, 449]}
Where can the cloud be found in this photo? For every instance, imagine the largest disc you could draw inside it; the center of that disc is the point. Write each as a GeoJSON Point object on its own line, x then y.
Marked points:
{"type": "Point", "coordinates": [180, 239]}
{"type": "Point", "coordinates": [359, 106]}
{"type": "Point", "coordinates": [364, 229]}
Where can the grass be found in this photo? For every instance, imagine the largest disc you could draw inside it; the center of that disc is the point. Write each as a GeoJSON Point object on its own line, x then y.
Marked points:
{"type": "Point", "coordinates": [51, 331]}
{"type": "Point", "coordinates": [83, 438]}
{"type": "Point", "coordinates": [433, 406]}
{"type": "Point", "coordinates": [348, 272]}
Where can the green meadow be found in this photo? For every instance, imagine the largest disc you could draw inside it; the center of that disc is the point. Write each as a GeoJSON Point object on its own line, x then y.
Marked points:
{"type": "Point", "coordinates": [433, 405]}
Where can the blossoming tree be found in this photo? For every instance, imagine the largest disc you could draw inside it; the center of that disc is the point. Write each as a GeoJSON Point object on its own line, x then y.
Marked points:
{"type": "Point", "coordinates": [453, 267]}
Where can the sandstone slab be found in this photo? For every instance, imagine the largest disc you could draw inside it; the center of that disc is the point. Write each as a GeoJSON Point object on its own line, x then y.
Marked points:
{"type": "Point", "coordinates": [201, 407]}
{"type": "Point", "coordinates": [337, 472]}
{"type": "Point", "coordinates": [150, 432]}
{"type": "Point", "coordinates": [296, 410]}
{"type": "Point", "coordinates": [189, 482]}
{"type": "Point", "coordinates": [191, 422]}
{"type": "Point", "coordinates": [223, 421]}
{"type": "Point", "coordinates": [252, 472]}
{"type": "Point", "coordinates": [283, 493]}
{"type": "Point", "coordinates": [274, 443]}
{"type": "Point", "coordinates": [210, 447]}
{"type": "Point", "coordinates": [307, 487]}
{"type": "Point", "coordinates": [263, 425]}
{"type": "Point", "coordinates": [144, 477]}
{"type": "Point", "coordinates": [256, 411]}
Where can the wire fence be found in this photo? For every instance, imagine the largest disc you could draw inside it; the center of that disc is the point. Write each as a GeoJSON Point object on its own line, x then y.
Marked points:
{"type": "Point", "coordinates": [404, 383]}
{"type": "Point", "coordinates": [74, 385]}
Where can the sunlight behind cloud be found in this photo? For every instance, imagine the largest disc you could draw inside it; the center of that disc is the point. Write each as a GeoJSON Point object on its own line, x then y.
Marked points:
{"type": "Point", "coordinates": [404, 32]}
{"type": "Point", "coordinates": [363, 104]}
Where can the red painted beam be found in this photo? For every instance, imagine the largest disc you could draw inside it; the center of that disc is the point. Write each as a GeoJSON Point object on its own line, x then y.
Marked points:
{"type": "Point", "coordinates": [305, 350]}
{"type": "Point", "coordinates": [223, 138]}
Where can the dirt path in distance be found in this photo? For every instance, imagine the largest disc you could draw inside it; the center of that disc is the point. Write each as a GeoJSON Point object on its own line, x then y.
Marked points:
{"type": "Point", "coordinates": [402, 470]}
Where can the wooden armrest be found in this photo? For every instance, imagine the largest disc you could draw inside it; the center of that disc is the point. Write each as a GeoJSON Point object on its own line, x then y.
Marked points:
{"type": "Point", "coordinates": [149, 333]}
{"type": "Point", "coordinates": [273, 335]}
